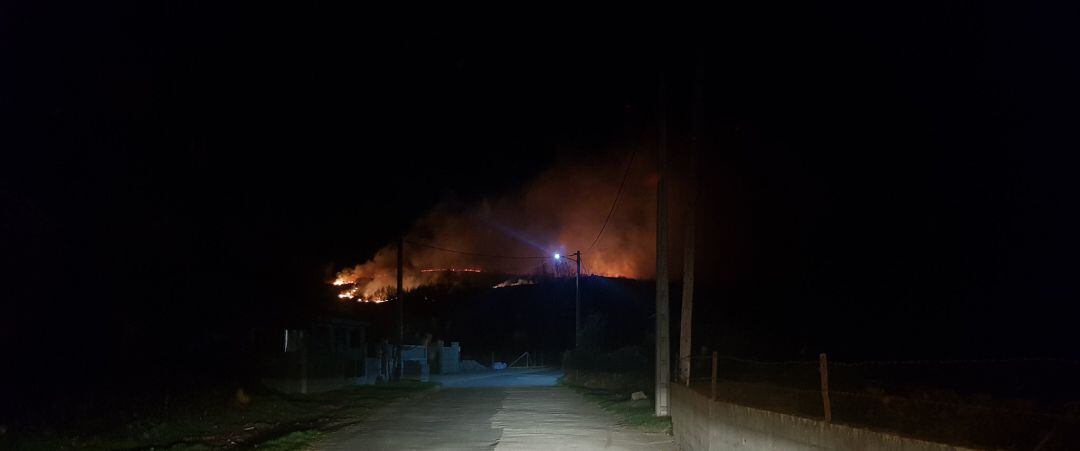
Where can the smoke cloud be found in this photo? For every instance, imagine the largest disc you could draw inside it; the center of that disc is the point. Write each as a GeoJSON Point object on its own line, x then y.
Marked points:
{"type": "Point", "coordinates": [561, 210]}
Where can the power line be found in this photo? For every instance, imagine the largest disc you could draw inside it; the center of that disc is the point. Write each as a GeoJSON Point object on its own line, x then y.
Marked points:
{"type": "Point", "coordinates": [475, 254]}
{"type": "Point", "coordinates": [626, 174]}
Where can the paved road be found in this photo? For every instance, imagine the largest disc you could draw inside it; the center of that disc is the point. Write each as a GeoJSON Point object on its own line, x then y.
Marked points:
{"type": "Point", "coordinates": [506, 410]}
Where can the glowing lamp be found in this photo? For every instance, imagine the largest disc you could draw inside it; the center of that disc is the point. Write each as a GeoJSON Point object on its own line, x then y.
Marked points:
{"type": "Point", "coordinates": [557, 256]}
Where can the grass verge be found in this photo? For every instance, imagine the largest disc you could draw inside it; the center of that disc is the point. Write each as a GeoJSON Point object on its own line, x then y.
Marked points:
{"type": "Point", "coordinates": [636, 415]}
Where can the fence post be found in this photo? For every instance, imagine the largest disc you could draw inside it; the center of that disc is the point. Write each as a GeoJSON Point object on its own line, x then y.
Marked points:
{"type": "Point", "coordinates": [824, 370]}
{"type": "Point", "coordinates": [713, 388]}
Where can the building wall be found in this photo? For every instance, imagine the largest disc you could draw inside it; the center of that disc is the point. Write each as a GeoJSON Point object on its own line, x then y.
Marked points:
{"type": "Point", "coordinates": [450, 359]}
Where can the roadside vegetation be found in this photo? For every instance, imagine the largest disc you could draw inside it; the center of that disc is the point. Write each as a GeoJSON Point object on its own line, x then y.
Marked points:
{"type": "Point", "coordinates": [609, 378]}
{"type": "Point", "coordinates": [266, 420]}
{"type": "Point", "coordinates": [636, 415]}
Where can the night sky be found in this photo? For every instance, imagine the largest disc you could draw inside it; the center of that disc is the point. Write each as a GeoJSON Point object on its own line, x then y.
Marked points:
{"type": "Point", "coordinates": [177, 173]}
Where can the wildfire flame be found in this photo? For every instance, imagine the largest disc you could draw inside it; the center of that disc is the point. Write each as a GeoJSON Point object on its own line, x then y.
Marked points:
{"type": "Point", "coordinates": [451, 270]}
{"type": "Point", "coordinates": [514, 283]}
{"type": "Point", "coordinates": [354, 293]}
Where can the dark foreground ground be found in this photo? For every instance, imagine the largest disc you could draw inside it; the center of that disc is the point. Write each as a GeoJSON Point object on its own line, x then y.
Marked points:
{"type": "Point", "coordinates": [271, 421]}
{"type": "Point", "coordinates": [523, 409]}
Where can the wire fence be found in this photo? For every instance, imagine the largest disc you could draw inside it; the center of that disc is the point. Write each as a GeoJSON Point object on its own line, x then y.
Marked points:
{"type": "Point", "coordinates": [1005, 403]}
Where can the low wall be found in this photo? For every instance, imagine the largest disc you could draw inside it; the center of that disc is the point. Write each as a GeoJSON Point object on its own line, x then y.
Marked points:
{"type": "Point", "coordinates": [701, 424]}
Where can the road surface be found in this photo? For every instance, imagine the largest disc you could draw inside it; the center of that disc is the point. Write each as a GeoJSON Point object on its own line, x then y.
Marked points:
{"type": "Point", "coordinates": [510, 409]}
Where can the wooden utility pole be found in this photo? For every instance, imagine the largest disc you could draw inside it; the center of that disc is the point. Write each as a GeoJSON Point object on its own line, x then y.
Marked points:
{"type": "Point", "coordinates": [663, 341]}
{"type": "Point", "coordinates": [400, 308]}
{"type": "Point", "coordinates": [823, 368]}
{"type": "Point", "coordinates": [577, 300]}
{"type": "Point", "coordinates": [687, 318]}
{"type": "Point", "coordinates": [712, 379]}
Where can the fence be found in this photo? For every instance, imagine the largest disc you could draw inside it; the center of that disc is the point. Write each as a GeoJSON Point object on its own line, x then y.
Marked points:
{"type": "Point", "coordinates": [1002, 403]}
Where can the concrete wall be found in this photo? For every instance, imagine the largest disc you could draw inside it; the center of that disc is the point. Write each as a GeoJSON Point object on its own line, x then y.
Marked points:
{"type": "Point", "coordinates": [450, 359]}
{"type": "Point", "coordinates": [414, 352]}
{"type": "Point", "coordinates": [701, 424]}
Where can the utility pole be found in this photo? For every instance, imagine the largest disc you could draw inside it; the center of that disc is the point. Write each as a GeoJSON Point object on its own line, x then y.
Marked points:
{"type": "Point", "coordinates": [577, 300]}
{"type": "Point", "coordinates": [663, 347]}
{"type": "Point", "coordinates": [577, 293]}
{"type": "Point", "coordinates": [687, 319]}
{"type": "Point", "coordinates": [400, 308]}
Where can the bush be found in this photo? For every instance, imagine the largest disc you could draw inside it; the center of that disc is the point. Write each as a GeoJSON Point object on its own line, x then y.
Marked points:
{"type": "Point", "coordinates": [626, 359]}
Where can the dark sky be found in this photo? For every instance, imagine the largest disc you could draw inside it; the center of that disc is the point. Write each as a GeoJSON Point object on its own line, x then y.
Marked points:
{"type": "Point", "coordinates": [180, 164]}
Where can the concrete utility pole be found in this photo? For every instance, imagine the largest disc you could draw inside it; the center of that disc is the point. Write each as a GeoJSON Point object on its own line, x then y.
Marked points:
{"type": "Point", "coordinates": [663, 346]}
{"type": "Point", "coordinates": [687, 320]}
{"type": "Point", "coordinates": [400, 308]}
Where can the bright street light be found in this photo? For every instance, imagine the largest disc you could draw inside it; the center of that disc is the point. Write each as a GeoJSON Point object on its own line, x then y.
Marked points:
{"type": "Point", "coordinates": [557, 256]}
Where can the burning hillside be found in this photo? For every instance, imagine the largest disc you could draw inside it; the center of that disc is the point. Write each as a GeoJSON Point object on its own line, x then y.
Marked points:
{"type": "Point", "coordinates": [560, 211]}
